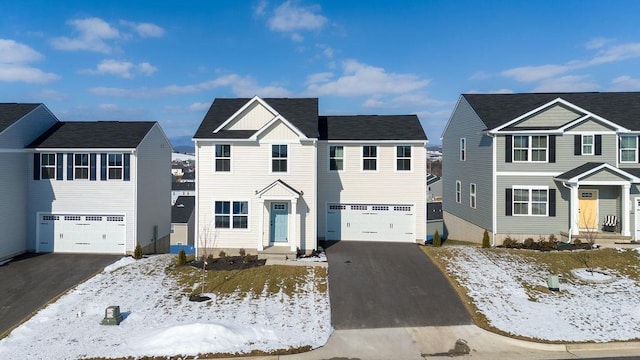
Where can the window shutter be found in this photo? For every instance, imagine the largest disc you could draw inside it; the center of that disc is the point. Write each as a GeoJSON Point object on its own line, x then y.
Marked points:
{"type": "Point", "coordinates": [638, 149]}
{"type": "Point", "coordinates": [92, 167]}
{"type": "Point", "coordinates": [69, 166]}
{"type": "Point", "coordinates": [552, 202]}
{"type": "Point", "coordinates": [577, 144]}
{"type": "Point", "coordinates": [103, 166]}
{"type": "Point", "coordinates": [36, 166]}
{"type": "Point", "coordinates": [552, 148]}
{"type": "Point", "coordinates": [598, 146]}
{"type": "Point", "coordinates": [508, 140]}
{"type": "Point", "coordinates": [59, 166]}
{"type": "Point", "coordinates": [508, 202]}
{"type": "Point", "coordinates": [125, 162]}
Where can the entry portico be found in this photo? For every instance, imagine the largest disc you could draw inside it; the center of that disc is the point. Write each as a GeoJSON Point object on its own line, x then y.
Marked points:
{"type": "Point", "coordinates": [278, 204]}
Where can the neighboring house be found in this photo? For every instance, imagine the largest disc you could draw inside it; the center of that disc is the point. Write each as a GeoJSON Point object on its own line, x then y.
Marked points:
{"type": "Point", "coordinates": [188, 177]}
{"type": "Point", "coordinates": [273, 174]}
{"type": "Point", "coordinates": [177, 170]}
{"type": "Point", "coordinates": [530, 165]}
{"type": "Point", "coordinates": [182, 189]}
{"type": "Point", "coordinates": [99, 187]}
{"type": "Point", "coordinates": [434, 188]}
{"type": "Point", "coordinates": [434, 220]}
{"type": "Point", "coordinates": [182, 225]}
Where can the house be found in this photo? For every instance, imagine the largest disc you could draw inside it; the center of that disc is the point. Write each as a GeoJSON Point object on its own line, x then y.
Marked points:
{"type": "Point", "coordinates": [98, 187]}
{"type": "Point", "coordinates": [188, 177]}
{"type": "Point", "coordinates": [182, 189]}
{"type": "Point", "coordinates": [434, 188]}
{"type": "Point", "coordinates": [182, 225]}
{"type": "Point", "coordinates": [434, 220]}
{"type": "Point", "coordinates": [531, 165]}
{"type": "Point", "coordinates": [273, 174]}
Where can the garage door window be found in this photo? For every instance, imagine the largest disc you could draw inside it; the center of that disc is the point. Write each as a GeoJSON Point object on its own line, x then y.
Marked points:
{"type": "Point", "coordinates": [369, 158]}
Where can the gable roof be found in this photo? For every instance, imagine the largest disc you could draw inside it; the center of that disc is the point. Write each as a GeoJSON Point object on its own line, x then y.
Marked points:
{"type": "Point", "coordinates": [183, 208]}
{"type": "Point", "coordinates": [301, 112]}
{"type": "Point", "coordinates": [586, 169]}
{"type": "Point", "coordinates": [94, 134]}
{"type": "Point", "coordinates": [371, 127]}
{"type": "Point", "coordinates": [622, 108]}
{"type": "Point", "coordinates": [12, 112]}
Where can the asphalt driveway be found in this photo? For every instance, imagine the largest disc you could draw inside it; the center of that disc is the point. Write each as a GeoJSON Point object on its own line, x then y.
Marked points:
{"type": "Point", "coordinates": [382, 284]}
{"type": "Point", "coordinates": [31, 280]}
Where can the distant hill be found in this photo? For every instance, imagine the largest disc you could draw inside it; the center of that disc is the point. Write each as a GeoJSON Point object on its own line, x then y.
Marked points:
{"type": "Point", "coordinates": [183, 144]}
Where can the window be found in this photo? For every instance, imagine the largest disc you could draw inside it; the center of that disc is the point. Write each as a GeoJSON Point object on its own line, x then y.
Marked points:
{"type": "Point", "coordinates": [530, 201]}
{"type": "Point", "coordinates": [530, 148]}
{"type": "Point", "coordinates": [225, 218]}
{"type": "Point", "coordinates": [279, 158]}
{"type": "Point", "coordinates": [463, 149]}
{"type": "Point", "coordinates": [48, 166]}
{"type": "Point", "coordinates": [403, 158]}
{"type": "Point", "coordinates": [114, 166]}
{"type": "Point", "coordinates": [628, 148]}
{"type": "Point", "coordinates": [587, 144]}
{"type": "Point", "coordinates": [472, 195]}
{"type": "Point", "coordinates": [336, 157]}
{"type": "Point", "coordinates": [81, 166]}
{"type": "Point", "coordinates": [458, 192]}
{"type": "Point", "coordinates": [223, 158]}
{"type": "Point", "coordinates": [369, 158]}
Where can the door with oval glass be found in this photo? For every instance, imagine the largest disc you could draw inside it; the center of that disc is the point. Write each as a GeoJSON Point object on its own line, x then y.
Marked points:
{"type": "Point", "coordinates": [588, 209]}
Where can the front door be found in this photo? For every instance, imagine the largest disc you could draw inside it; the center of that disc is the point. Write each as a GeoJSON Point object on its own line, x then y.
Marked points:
{"type": "Point", "coordinates": [588, 209]}
{"type": "Point", "coordinates": [279, 222]}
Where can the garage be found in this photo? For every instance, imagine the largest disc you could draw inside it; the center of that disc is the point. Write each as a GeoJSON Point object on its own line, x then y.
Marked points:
{"type": "Point", "coordinates": [371, 222]}
{"type": "Point", "coordinates": [73, 233]}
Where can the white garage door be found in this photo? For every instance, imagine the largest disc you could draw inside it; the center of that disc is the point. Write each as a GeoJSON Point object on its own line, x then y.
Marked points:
{"type": "Point", "coordinates": [371, 222]}
{"type": "Point", "coordinates": [81, 233]}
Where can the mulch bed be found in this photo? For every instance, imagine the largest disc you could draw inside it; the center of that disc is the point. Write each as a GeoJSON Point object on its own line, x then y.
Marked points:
{"type": "Point", "coordinates": [230, 263]}
{"type": "Point", "coordinates": [544, 247]}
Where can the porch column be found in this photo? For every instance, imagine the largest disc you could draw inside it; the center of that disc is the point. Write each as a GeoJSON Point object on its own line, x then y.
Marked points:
{"type": "Point", "coordinates": [625, 209]}
{"type": "Point", "coordinates": [575, 211]}
{"type": "Point", "coordinates": [260, 224]}
{"type": "Point", "coordinates": [293, 238]}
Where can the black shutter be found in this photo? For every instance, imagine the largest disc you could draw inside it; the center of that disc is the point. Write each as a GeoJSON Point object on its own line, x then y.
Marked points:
{"type": "Point", "coordinates": [59, 166]}
{"type": "Point", "coordinates": [552, 202]}
{"type": "Point", "coordinates": [638, 150]}
{"type": "Point", "coordinates": [69, 166]}
{"type": "Point", "coordinates": [508, 202]}
{"type": "Point", "coordinates": [125, 163]}
{"type": "Point", "coordinates": [92, 167]}
{"type": "Point", "coordinates": [552, 148]}
{"type": "Point", "coordinates": [577, 144]}
{"type": "Point", "coordinates": [598, 140]}
{"type": "Point", "coordinates": [508, 147]}
{"type": "Point", "coordinates": [36, 166]}
{"type": "Point", "coordinates": [103, 166]}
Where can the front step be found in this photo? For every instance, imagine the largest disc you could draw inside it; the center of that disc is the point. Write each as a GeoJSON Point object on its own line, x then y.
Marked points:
{"type": "Point", "coordinates": [277, 253]}
{"type": "Point", "coordinates": [605, 239]}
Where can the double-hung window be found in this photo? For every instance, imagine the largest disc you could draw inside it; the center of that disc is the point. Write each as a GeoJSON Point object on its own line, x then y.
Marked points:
{"type": "Point", "coordinates": [403, 158]}
{"type": "Point", "coordinates": [472, 195]}
{"type": "Point", "coordinates": [532, 148]}
{"type": "Point", "coordinates": [458, 192]}
{"type": "Point", "coordinates": [628, 148]}
{"type": "Point", "coordinates": [369, 158]}
{"type": "Point", "coordinates": [114, 166]}
{"type": "Point", "coordinates": [336, 157]}
{"type": "Point", "coordinates": [530, 201]}
{"type": "Point", "coordinates": [279, 158]}
{"type": "Point", "coordinates": [81, 166]}
{"type": "Point", "coordinates": [587, 144]}
{"type": "Point", "coordinates": [463, 149]}
{"type": "Point", "coordinates": [223, 158]}
{"type": "Point", "coordinates": [231, 214]}
{"type": "Point", "coordinates": [47, 166]}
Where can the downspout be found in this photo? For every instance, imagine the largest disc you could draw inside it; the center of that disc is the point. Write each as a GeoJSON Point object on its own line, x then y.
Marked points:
{"type": "Point", "coordinates": [571, 205]}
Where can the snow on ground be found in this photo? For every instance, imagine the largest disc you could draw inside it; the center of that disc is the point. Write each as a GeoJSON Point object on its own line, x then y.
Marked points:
{"type": "Point", "coordinates": [580, 311]}
{"type": "Point", "coordinates": [160, 322]}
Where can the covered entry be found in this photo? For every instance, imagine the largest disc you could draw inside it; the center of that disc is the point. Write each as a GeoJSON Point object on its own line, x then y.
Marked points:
{"type": "Point", "coordinates": [371, 222]}
{"type": "Point", "coordinates": [81, 233]}
{"type": "Point", "coordinates": [278, 219]}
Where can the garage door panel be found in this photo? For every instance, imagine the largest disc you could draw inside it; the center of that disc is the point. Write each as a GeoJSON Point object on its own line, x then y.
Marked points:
{"type": "Point", "coordinates": [82, 233]}
{"type": "Point", "coordinates": [370, 222]}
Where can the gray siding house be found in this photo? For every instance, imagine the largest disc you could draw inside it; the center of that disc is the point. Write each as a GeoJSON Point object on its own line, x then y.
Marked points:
{"type": "Point", "coordinates": [530, 165]}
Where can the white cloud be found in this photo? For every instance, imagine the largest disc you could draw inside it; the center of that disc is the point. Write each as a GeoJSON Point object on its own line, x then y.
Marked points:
{"type": "Point", "coordinates": [616, 53]}
{"type": "Point", "coordinates": [92, 33]}
{"type": "Point", "coordinates": [144, 30]}
{"type": "Point", "coordinates": [199, 106]}
{"type": "Point", "coordinates": [261, 7]}
{"type": "Point", "coordinates": [49, 95]}
{"type": "Point", "coordinates": [569, 83]}
{"type": "Point", "coordinates": [625, 83]}
{"type": "Point", "coordinates": [14, 59]}
{"type": "Point", "coordinates": [297, 37]}
{"type": "Point", "coordinates": [534, 73]}
{"type": "Point", "coordinates": [12, 52]}
{"type": "Point", "coordinates": [480, 75]}
{"type": "Point", "coordinates": [597, 43]}
{"type": "Point", "coordinates": [498, 91]}
{"type": "Point", "coordinates": [120, 68]}
{"type": "Point", "coordinates": [318, 78]}
{"type": "Point", "coordinates": [146, 68]}
{"type": "Point", "coordinates": [291, 17]}
{"type": "Point", "coordinates": [413, 99]}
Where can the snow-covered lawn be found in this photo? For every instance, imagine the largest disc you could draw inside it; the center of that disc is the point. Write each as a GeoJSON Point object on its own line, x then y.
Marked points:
{"type": "Point", "coordinates": [159, 322]}
{"type": "Point", "coordinates": [506, 289]}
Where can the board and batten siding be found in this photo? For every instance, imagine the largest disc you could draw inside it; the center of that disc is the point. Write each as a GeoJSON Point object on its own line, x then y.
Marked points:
{"type": "Point", "coordinates": [383, 186]}
{"type": "Point", "coordinates": [477, 168]}
{"type": "Point", "coordinates": [252, 118]}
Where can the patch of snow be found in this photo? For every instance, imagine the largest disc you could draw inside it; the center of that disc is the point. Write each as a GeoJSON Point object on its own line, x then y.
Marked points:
{"type": "Point", "coordinates": [594, 275]}
{"type": "Point", "coordinates": [160, 321]}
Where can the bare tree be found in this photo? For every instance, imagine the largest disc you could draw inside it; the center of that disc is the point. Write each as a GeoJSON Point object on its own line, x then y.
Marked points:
{"type": "Point", "coordinates": [207, 238]}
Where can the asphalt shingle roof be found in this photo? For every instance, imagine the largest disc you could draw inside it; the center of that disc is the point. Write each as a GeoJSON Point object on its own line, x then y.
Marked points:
{"type": "Point", "coordinates": [94, 134]}
{"type": "Point", "coordinates": [182, 210]}
{"type": "Point", "coordinates": [183, 186]}
{"type": "Point", "coordinates": [579, 170]}
{"type": "Point", "coordinates": [12, 112]}
{"type": "Point", "coordinates": [622, 108]}
{"type": "Point", "coordinates": [371, 127]}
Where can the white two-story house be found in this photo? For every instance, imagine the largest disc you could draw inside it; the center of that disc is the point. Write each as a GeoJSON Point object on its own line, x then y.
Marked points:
{"type": "Point", "coordinates": [273, 174]}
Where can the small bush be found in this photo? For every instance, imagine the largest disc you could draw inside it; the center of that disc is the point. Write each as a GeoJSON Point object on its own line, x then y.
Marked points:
{"type": "Point", "coordinates": [436, 239]}
{"type": "Point", "coordinates": [137, 252]}
{"type": "Point", "coordinates": [528, 242]}
{"type": "Point", "coordinates": [486, 241]}
{"type": "Point", "coordinates": [242, 252]}
{"type": "Point", "coordinates": [577, 242]}
{"type": "Point", "coordinates": [222, 254]}
{"type": "Point", "coordinates": [182, 257]}
{"type": "Point", "coordinates": [552, 238]}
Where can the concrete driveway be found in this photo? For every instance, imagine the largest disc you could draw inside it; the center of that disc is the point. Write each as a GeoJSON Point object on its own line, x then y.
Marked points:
{"type": "Point", "coordinates": [383, 285]}
{"type": "Point", "coordinates": [31, 280]}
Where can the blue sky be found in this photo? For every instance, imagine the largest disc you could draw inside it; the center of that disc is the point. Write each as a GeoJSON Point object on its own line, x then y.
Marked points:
{"type": "Point", "coordinates": [168, 60]}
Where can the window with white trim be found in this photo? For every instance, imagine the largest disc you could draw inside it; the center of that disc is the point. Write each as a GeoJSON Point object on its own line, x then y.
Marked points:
{"type": "Point", "coordinates": [458, 192]}
{"type": "Point", "coordinates": [81, 166]}
{"type": "Point", "coordinates": [47, 166]}
{"type": "Point", "coordinates": [463, 149]}
{"type": "Point", "coordinates": [336, 157]}
{"type": "Point", "coordinates": [279, 158]}
{"type": "Point", "coordinates": [587, 145]}
{"type": "Point", "coordinates": [472, 195]}
{"type": "Point", "coordinates": [231, 214]}
{"type": "Point", "coordinates": [223, 158]}
{"type": "Point", "coordinates": [530, 148]}
{"type": "Point", "coordinates": [114, 166]}
{"type": "Point", "coordinates": [628, 148]}
{"type": "Point", "coordinates": [369, 158]}
{"type": "Point", "coordinates": [530, 201]}
{"type": "Point", "coordinates": [403, 158]}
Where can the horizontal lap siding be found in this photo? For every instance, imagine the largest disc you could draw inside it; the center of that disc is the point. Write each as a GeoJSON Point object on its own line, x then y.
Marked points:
{"type": "Point", "coordinates": [555, 116]}
{"type": "Point", "coordinates": [13, 192]}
